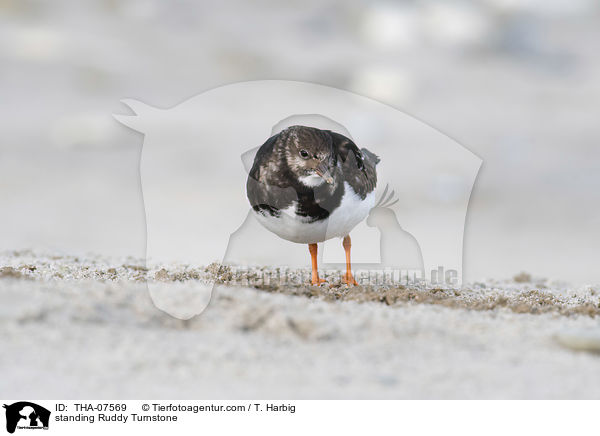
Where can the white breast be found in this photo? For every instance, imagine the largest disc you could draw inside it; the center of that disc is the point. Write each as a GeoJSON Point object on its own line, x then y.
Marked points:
{"type": "Point", "coordinates": [351, 211]}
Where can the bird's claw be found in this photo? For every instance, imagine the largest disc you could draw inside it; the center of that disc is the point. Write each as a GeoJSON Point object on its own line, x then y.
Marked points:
{"type": "Point", "coordinates": [316, 281]}
{"type": "Point", "coordinates": [347, 279]}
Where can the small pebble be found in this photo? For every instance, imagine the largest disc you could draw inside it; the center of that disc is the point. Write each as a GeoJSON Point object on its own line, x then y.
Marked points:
{"type": "Point", "coordinates": [580, 340]}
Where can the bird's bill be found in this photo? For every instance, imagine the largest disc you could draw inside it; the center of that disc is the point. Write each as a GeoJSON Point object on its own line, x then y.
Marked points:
{"type": "Point", "coordinates": [323, 172]}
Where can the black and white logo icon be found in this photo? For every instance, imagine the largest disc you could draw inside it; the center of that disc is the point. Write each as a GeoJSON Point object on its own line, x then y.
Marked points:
{"type": "Point", "coordinates": [26, 415]}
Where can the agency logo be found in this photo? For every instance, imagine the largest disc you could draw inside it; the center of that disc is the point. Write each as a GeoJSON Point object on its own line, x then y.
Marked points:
{"type": "Point", "coordinates": [26, 415]}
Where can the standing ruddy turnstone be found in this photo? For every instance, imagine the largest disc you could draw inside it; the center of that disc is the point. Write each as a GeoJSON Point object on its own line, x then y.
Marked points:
{"type": "Point", "coordinates": [309, 185]}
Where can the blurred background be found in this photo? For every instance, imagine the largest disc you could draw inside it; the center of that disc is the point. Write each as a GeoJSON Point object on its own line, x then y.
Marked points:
{"type": "Point", "coordinates": [516, 82]}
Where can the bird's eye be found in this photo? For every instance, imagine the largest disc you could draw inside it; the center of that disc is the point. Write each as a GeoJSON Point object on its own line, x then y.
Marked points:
{"type": "Point", "coordinates": [304, 153]}
{"type": "Point", "coordinates": [316, 156]}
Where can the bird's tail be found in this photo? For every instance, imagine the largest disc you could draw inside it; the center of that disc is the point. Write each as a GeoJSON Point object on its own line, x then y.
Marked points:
{"type": "Point", "coordinates": [370, 156]}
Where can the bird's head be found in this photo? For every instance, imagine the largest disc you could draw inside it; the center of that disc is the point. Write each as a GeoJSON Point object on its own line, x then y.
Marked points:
{"type": "Point", "coordinates": [309, 154]}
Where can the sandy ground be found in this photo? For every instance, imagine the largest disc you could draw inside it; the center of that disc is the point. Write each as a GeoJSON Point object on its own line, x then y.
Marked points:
{"type": "Point", "coordinates": [86, 328]}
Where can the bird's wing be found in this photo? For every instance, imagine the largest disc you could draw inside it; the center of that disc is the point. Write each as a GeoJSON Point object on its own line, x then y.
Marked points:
{"type": "Point", "coordinates": [358, 165]}
{"type": "Point", "coordinates": [267, 193]}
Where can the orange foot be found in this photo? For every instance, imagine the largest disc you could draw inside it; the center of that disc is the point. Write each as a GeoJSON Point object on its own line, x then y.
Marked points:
{"type": "Point", "coordinates": [347, 279]}
{"type": "Point", "coordinates": [316, 281]}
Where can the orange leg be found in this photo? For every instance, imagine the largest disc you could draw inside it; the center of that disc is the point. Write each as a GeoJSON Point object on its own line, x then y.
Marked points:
{"type": "Point", "coordinates": [347, 278]}
{"type": "Point", "coordinates": [315, 273]}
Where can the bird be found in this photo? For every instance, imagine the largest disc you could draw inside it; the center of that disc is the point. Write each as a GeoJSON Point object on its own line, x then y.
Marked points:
{"type": "Point", "coordinates": [308, 185]}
